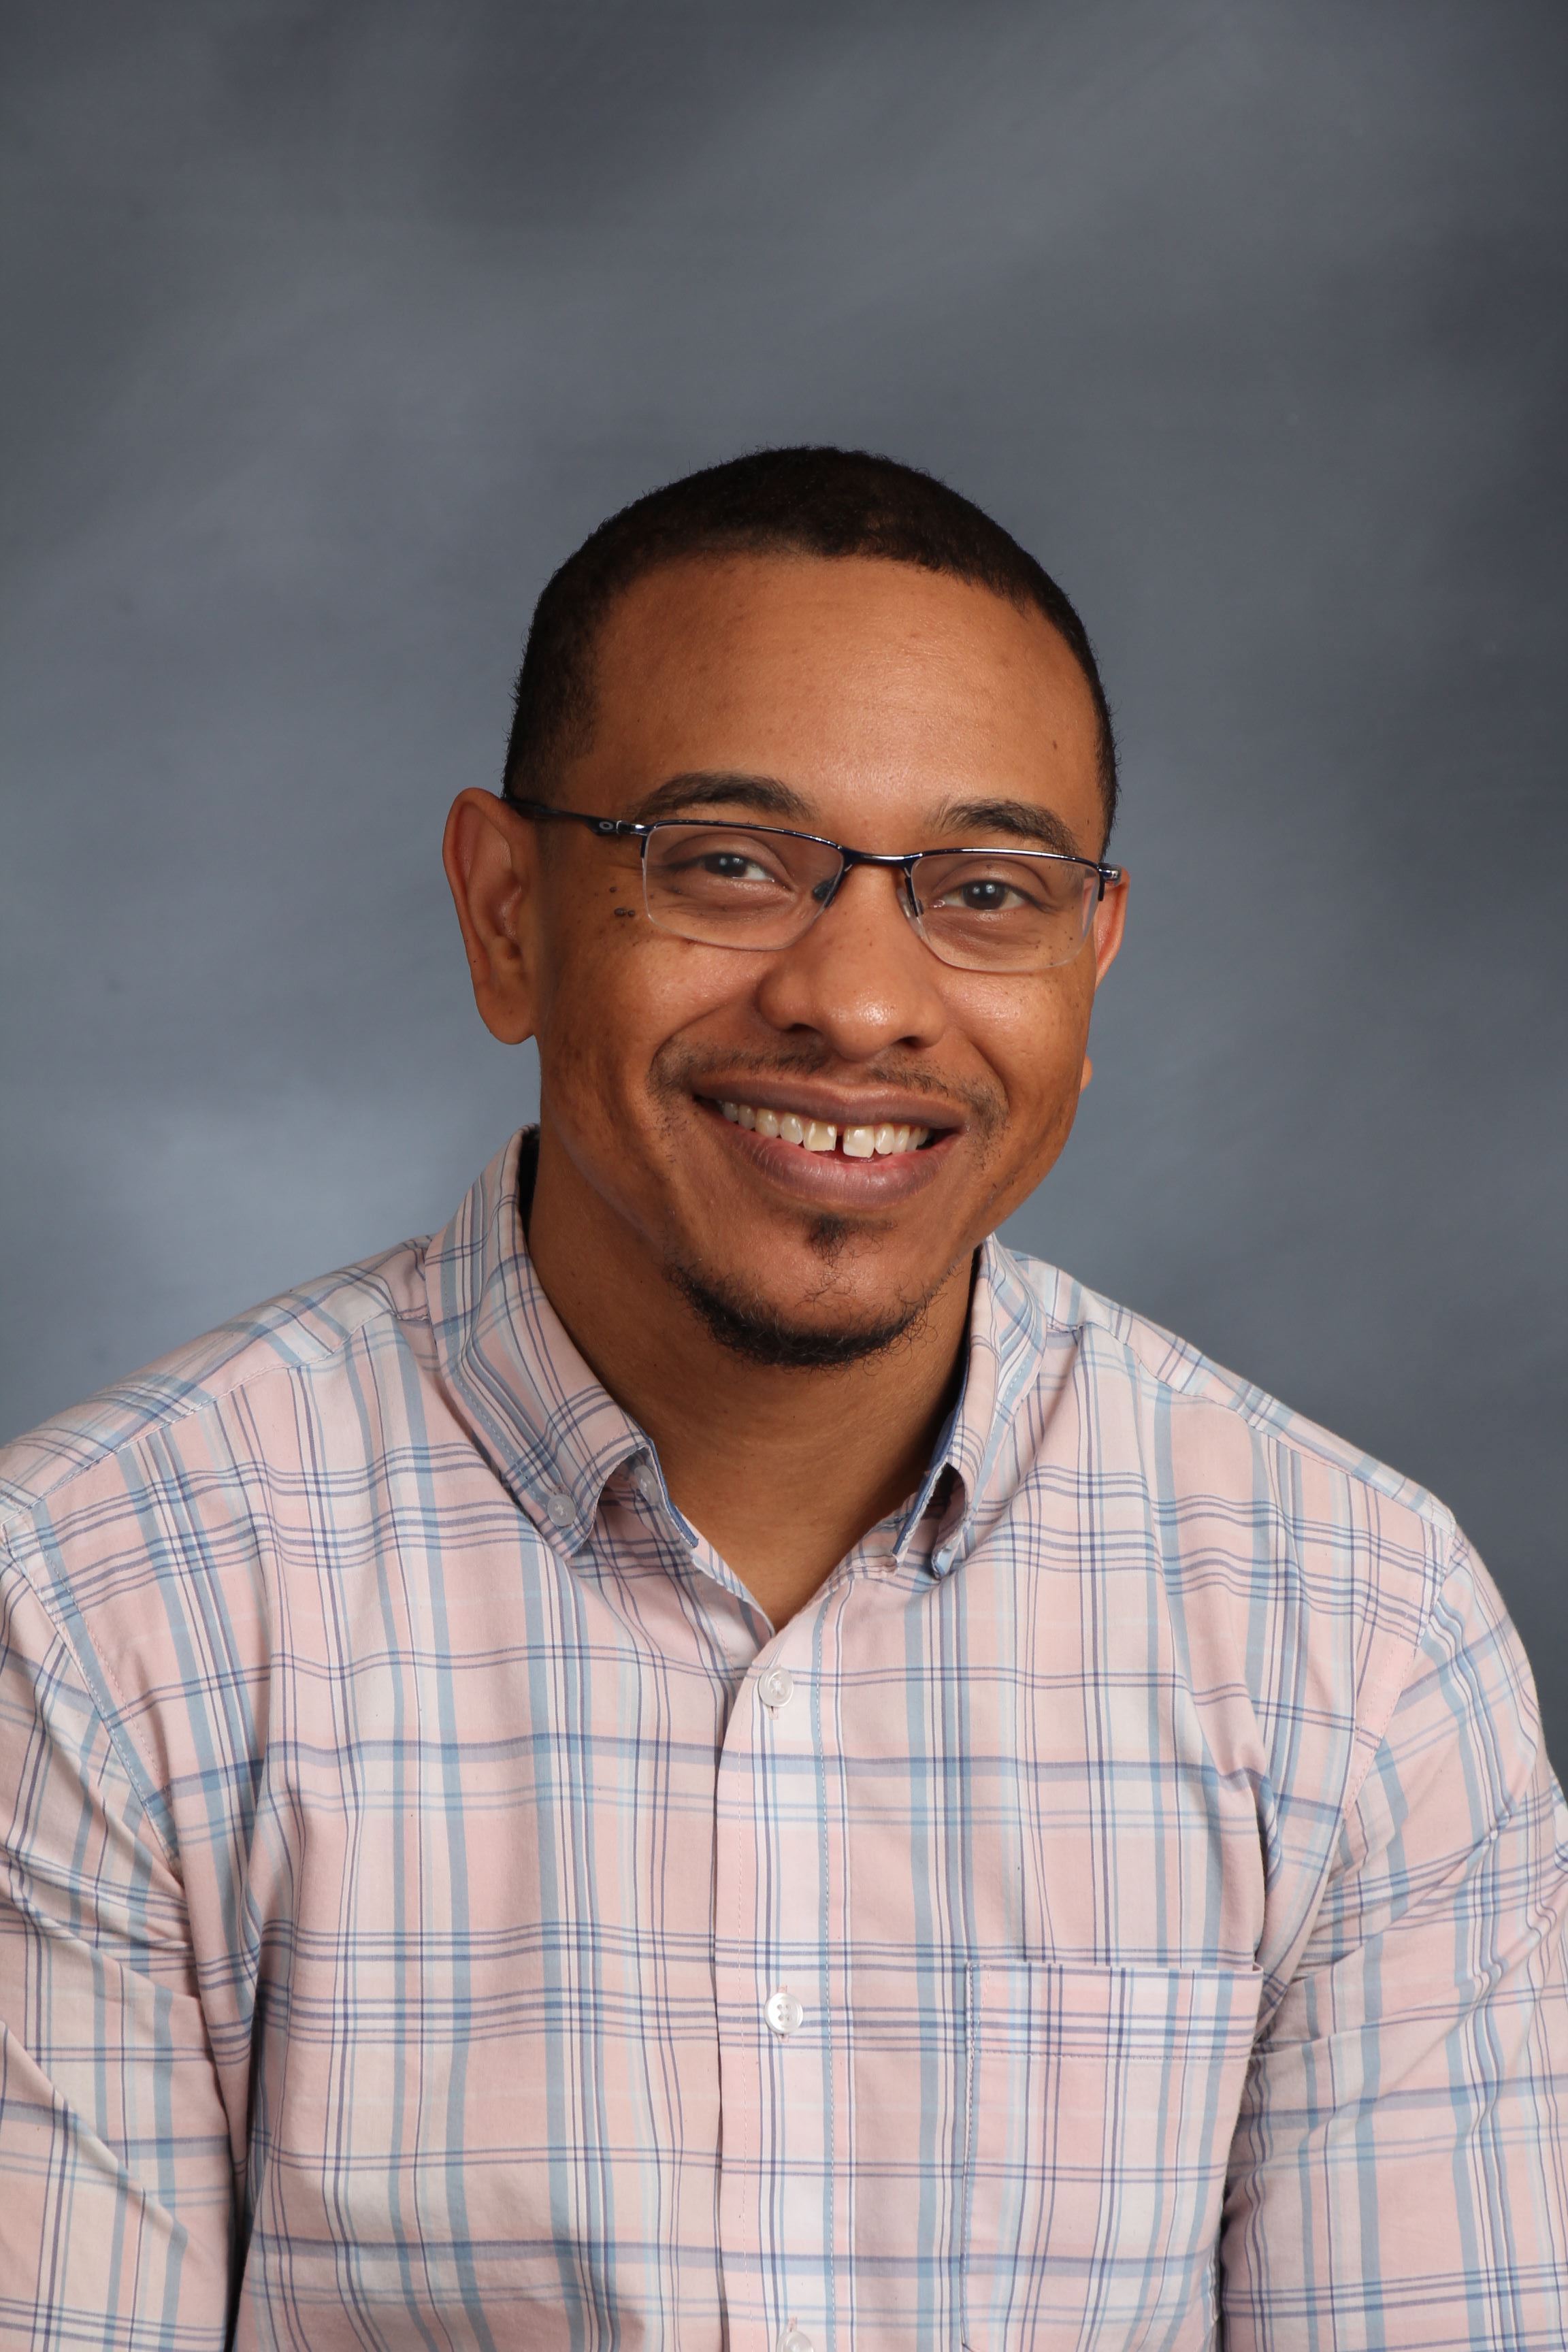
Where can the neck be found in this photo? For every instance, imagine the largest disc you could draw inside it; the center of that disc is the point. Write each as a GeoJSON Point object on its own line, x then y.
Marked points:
{"type": "Point", "coordinates": [783, 1470]}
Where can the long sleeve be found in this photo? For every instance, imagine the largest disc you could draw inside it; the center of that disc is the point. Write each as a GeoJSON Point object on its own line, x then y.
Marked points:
{"type": "Point", "coordinates": [116, 2177]}
{"type": "Point", "coordinates": [1400, 2175]}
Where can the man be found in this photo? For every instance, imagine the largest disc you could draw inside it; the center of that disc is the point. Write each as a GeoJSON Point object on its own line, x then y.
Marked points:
{"type": "Point", "coordinates": [708, 1758]}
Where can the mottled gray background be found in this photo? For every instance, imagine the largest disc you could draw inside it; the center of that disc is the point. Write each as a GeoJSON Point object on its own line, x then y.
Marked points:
{"type": "Point", "coordinates": [331, 328]}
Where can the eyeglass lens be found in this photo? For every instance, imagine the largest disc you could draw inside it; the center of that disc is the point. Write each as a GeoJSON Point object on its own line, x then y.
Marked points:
{"type": "Point", "coordinates": [981, 909]}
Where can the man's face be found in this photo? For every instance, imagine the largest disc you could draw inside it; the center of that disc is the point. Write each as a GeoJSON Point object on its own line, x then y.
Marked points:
{"type": "Point", "coordinates": [870, 702]}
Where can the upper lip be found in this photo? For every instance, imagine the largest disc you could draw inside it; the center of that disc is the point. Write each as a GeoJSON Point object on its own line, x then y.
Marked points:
{"type": "Point", "coordinates": [835, 1109]}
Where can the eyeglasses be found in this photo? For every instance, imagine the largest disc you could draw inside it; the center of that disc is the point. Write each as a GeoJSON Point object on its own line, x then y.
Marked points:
{"type": "Point", "coordinates": [726, 883]}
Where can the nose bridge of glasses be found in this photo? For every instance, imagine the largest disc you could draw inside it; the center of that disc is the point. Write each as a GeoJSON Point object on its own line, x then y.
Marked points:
{"type": "Point", "coordinates": [898, 868]}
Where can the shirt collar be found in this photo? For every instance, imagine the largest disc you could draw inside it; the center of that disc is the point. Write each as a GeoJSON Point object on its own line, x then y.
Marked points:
{"type": "Point", "coordinates": [556, 1437]}
{"type": "Point", "coordinates": [1007, 1335]}
{"type": "Point", "coordinates": [553, 1432]}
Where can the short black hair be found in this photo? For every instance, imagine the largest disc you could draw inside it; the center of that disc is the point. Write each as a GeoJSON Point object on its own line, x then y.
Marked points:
{"type": "Point", "coordinates": [807, 502]}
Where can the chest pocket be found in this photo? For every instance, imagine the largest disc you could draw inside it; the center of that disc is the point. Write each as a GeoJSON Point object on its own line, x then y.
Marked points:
{"type": "Point", "coordinates": [1102, 2106]}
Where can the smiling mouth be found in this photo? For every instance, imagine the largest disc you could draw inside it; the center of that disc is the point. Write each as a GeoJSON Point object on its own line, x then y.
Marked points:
{"type": "Point", "coordinates": [883, 1142]}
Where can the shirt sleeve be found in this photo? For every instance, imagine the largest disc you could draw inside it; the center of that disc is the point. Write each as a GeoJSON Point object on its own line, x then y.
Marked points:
{"type": "Point", "coordinates": [1400, 2173]}
{"type": "Point", "coordinates": [116, 2179]}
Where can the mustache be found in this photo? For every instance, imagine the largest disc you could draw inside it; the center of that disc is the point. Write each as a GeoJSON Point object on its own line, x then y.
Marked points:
{"type": "Point", "coordinates": [680, 1070]}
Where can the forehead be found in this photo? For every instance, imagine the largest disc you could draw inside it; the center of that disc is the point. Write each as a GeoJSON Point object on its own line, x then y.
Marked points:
{"type": "Point", "coordinates": [874, 687]}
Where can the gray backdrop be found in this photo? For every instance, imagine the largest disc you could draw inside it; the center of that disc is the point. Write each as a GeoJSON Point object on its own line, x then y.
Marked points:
{"type": "Point", "coordinates": [331, 328]}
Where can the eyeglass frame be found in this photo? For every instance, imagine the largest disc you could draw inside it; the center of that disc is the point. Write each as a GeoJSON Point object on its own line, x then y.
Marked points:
{"type": "Point", "coordinates": [609, 828]}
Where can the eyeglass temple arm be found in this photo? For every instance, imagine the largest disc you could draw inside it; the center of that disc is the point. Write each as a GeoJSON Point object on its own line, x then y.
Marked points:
{"type": "Point", "coordinates": [604, 824]}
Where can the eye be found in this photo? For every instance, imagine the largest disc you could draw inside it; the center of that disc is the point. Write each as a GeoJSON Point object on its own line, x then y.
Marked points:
{"type": "Point", "coordinates": [981, 894]}
{"type": "Point", "coordinates": [732, 865]}
{"type": "Point", "coordinates": [718, 867]}
{"type": "Point", "coordinates": [991, 888]}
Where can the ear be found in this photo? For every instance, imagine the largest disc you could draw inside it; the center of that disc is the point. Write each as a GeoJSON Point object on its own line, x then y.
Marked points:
{"type": "Point", "coordinates": [490, 855]}
{"type": "Point", "coordinates": [1110, 924]}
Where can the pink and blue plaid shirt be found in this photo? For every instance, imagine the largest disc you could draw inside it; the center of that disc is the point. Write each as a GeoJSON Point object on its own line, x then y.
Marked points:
{"type": "Point", "coordinates": [1126, 1905]}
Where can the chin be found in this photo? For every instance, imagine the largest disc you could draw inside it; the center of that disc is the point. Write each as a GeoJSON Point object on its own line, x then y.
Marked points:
{"type": "Point", "coordinates": [769, 1331]}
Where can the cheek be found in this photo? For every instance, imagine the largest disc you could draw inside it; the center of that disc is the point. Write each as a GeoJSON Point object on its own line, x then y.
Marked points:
{"type": "Point", "coordinates": [614, 996]}
{"type": "Point", "coordinates": [1035, 1046]}
{"type": "Point", "coordinates": [589, 1006]}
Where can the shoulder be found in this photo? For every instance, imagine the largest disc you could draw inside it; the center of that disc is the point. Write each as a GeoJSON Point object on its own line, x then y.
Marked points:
{"type": "Point", "coordinates": [1169, 1373]}
{"type": "Point", "coordinates": [1239, 1490]}
{"type": "Point", "coordinates": [1294, 1564]}
{"type": "Point", "coordinates": [293, 1339]}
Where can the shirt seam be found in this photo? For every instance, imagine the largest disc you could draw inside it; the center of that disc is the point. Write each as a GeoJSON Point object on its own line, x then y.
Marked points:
{"type": "Point", "coordinates": [205, 1398]}
{"type": "Point", "coordinates": [1389, 1685]}
{"type": "Point", "coordinates": [137, 1768]}
{"type": "Point", "coordinates": [1429, 1510]}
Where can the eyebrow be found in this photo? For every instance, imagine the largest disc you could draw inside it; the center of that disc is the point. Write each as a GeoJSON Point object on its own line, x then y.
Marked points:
{"type": "Point", "coordinates": [768, 796]}
{"type": "Point", "coordinates": [1024, 820]}
{"type": "Point", "coordinates": [714, 788]}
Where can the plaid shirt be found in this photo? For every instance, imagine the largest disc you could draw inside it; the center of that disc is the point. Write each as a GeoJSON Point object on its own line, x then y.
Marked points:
{"type": "Point", "coordinates": [440, 1911]}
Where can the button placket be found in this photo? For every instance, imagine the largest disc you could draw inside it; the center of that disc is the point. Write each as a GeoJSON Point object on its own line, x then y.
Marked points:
{"type": "Point", "coordinates": [776, 2116]}
{"type": "Point", "coordinates": [781, 1727]}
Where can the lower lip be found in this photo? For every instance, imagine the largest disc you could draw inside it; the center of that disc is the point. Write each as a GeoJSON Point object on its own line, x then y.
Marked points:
{"type": "Point", "coordinates": [827, 1179]}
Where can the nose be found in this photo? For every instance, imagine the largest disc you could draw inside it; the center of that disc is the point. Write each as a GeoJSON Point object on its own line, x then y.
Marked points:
{"type": "Point", "coordinates": [860, 978]}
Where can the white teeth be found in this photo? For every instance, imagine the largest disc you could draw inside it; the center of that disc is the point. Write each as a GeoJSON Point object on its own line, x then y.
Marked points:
{"type": "Point", "coordinates": [822, 1135]}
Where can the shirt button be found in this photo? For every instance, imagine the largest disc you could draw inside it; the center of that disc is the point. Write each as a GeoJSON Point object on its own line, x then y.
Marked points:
{"type": "Point", "coordinates": [775, 1689]}
{"type": "Point", "coordinates": [562, 1509]}
{"type": "Point", "coordinates": [783, 2013]}
{"type": "Point", "coordinates": [646, 1485]}
{"type": "Point", "coordinates": [795, 2339]}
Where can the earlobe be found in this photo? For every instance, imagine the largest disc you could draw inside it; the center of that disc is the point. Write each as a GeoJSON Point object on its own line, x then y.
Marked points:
{"type": "Point", "coordinates": [1088, 1073]}
{"type": "Point", "coordinates": [487, 852]}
